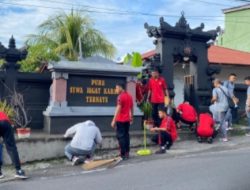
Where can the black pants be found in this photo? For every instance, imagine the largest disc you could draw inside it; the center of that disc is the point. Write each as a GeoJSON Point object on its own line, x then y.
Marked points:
{"type": "Point", "coordinates": [155, 114]}
{"type": "Point", "coordinates": [177, 118]}
{"type": "Point", "coordinates": [215, 133]}
{"type": "Point", "coordinates": [235, 117]}
{"type": "Point", "coordinates": [122, 134]}
{"type": "Point", "coordinates": [7, 132]}
{"type": "Point", "coordinates": [165, 139]}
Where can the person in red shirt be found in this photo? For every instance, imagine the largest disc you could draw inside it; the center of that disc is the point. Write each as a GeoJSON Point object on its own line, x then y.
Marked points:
{"type": "Point", "coordinates": [122, 119]}
{"type": "Point", "coordinates": [205, 129]}
{"type": "Point", "coordinates": [157, 90]}
{"type": "Point", "coordinates": [7, 133]}
{"type": "Point", "coordinates": [167, 133]}
{"type": "Point", "coordinates": [186, 113]}
{"type": "Point", "coordinates": [140, 92]}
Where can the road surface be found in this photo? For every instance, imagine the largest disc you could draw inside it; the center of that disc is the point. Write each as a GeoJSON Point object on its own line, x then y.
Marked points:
{"type": "Point", "coordinates": [220, 170]}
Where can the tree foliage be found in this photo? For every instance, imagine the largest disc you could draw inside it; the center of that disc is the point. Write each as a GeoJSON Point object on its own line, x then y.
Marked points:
{"type": "Point", "coordinates": [37, 55]}
{"type": "Point", "coordinates": [133, 59]}
{"type": "Point", "coordinates": [61, 35]}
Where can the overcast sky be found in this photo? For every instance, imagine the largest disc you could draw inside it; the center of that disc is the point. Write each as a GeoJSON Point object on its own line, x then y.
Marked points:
{"type": "Point", "coordinates": [124, 27]}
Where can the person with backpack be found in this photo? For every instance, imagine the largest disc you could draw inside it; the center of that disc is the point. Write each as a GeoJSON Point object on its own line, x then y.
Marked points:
{"type": "Point", "coordinates": [219, 107]}
{"type": "Point", "coordinates": [166, 132]}
{"type": "Point", "coordinates": [247, 82]}
{"type": "Point", "coordinates": [230, 85]}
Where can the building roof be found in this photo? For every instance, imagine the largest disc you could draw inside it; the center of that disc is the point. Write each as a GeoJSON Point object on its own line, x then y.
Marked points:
{"type": "Point", "coordinates": [219, 55]}
{"type": "Point", "coordinates": [148, 54]}
{"type": "Point", "coordinates": [238, 8]}
{"type": "Point", "coordinates": [92, 67]}
{"type": "Point", "coordinates": [97, 59]}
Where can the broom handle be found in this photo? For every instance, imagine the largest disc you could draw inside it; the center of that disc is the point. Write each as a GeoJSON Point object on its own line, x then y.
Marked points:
{"type": "Point", "coordinates": [145, 138]}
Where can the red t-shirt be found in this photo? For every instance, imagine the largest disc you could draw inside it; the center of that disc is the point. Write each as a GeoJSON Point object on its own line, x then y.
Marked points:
{"type": "Point", "coordinates": [157, 88]}
{"type": "Point", "coordinates": [206, 124]}
{"type": "Point", "coordinates": [126, 102]}
{"type": "Point", "coordinates": [188, 112]}
{"type": "Point", "coordinates": [139, 92]}
{"type": "Point", "coordinates": [4, 117]}
{"type": "Point", "coordinates": [169, 124]}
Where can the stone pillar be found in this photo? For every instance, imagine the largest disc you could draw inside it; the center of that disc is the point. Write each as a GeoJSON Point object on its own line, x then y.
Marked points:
{"type": "Point", "coordinates": [131, 87]}
{"type": "Point", "coordinates": [167, 65]}
{"type": "Point", "coordinates": [58, 100]}
{"type": "Point", "coordinates": [58, 90]}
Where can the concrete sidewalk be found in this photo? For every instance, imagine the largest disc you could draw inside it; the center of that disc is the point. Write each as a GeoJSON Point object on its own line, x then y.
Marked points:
{"type": "Point", "coordinates": [42, 146]}
{"type": "Point", "coordinates": [62, 167]}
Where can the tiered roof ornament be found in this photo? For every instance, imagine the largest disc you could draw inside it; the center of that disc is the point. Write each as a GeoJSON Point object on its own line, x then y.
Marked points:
{"type": "Point", "coordinates": [181, 28]}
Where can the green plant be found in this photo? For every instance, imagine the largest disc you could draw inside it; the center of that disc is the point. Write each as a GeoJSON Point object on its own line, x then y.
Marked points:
{"type": "Point", "coordinates": [147, 110]}
{"type": "Point", "coordinates": [63, 34]}
{"type": "Point", "coordinates": [1, 62]}
{"type": "Point", "coordinates": [7, 109]}
{"type": "Point", "coordinates": [134, 59]}
{"type": "Point", "coordinates": [38, 55]}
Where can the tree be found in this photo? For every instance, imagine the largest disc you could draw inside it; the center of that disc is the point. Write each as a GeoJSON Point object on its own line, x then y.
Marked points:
{"type": "Point", "coordinates": [61, 34]}
{"type": "Point", "coordinates": [133, 59]}
{"type": "Point", "coordinates": [37, 55]}
{"type": "Point", "coordinates": [1, 62]}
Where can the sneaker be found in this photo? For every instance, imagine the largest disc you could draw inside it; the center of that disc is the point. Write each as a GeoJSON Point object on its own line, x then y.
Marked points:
{"type": "Point", "coordinates": [161, 151]}
{"type": "Point", "coordinates": [210, 140]}
{"type": "Point", "coordinates": [124, 157]}
{"type": "Point", "coordinates": [1, 175]}
{"type": "Point", "coordinates": [225, 140]}
{"type": "Point", "coordinates": [229, 128]}
{"type": "Point", "coordinates": [20, 174]}
{"type": "Point", "coordinates": [217, 127]}
{"type": "Point", "coordinates": [77, 161]}
{"type": "Point", "coordinates": [168, 146]}
{"type": "Point", "coordinates": [199, 139]}
{"type": "Point", "coordinates": [248, 134]}
{"type": "Point", "coordinates": [87, 161]}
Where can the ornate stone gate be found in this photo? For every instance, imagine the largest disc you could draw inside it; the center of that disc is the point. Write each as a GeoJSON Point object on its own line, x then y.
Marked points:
{"type": "Point", "coordinates": [182, 45]}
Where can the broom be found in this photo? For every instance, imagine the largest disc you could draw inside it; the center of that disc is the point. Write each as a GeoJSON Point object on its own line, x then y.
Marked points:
{"type": "Point", "coordinates": [99, 163]}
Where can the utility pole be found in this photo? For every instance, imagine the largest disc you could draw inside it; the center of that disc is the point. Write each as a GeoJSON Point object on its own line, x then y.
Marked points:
{"type": "Point", "coordinates": [80, 49]}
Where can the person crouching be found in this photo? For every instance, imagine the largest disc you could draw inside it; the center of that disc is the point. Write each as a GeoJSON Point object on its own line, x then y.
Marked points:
{"type": "Point", "coordinates": [205, 129]}
{"type": "Point", "coordinates": [85, 137]}
{"type": "Point", "coordinates": [167, 133]}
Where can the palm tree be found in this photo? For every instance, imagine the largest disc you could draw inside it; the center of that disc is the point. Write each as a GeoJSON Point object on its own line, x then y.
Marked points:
{"type": "Point", "coordinates": [63, 32]}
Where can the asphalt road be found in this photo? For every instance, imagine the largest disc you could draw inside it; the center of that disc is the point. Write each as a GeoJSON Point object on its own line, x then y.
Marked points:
{"type": "Point", "coordinates": [223, 170]}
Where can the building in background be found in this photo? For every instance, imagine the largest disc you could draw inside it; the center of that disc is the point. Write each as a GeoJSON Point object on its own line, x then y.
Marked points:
{"type": "Point", "coordinates": [236, 34]}
{"type": "Point", "coordinates": [230, 61]}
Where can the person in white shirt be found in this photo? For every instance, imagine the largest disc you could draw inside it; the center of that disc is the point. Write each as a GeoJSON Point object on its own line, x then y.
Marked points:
{"type": "Point", "coordinates": [247, 82]}
{"type": "Point", "coordinates": [230, 85]}
{"type": "Point", "coordinates": [220, 107]}
{"type": "Point", "coordinates": [85, 137]}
